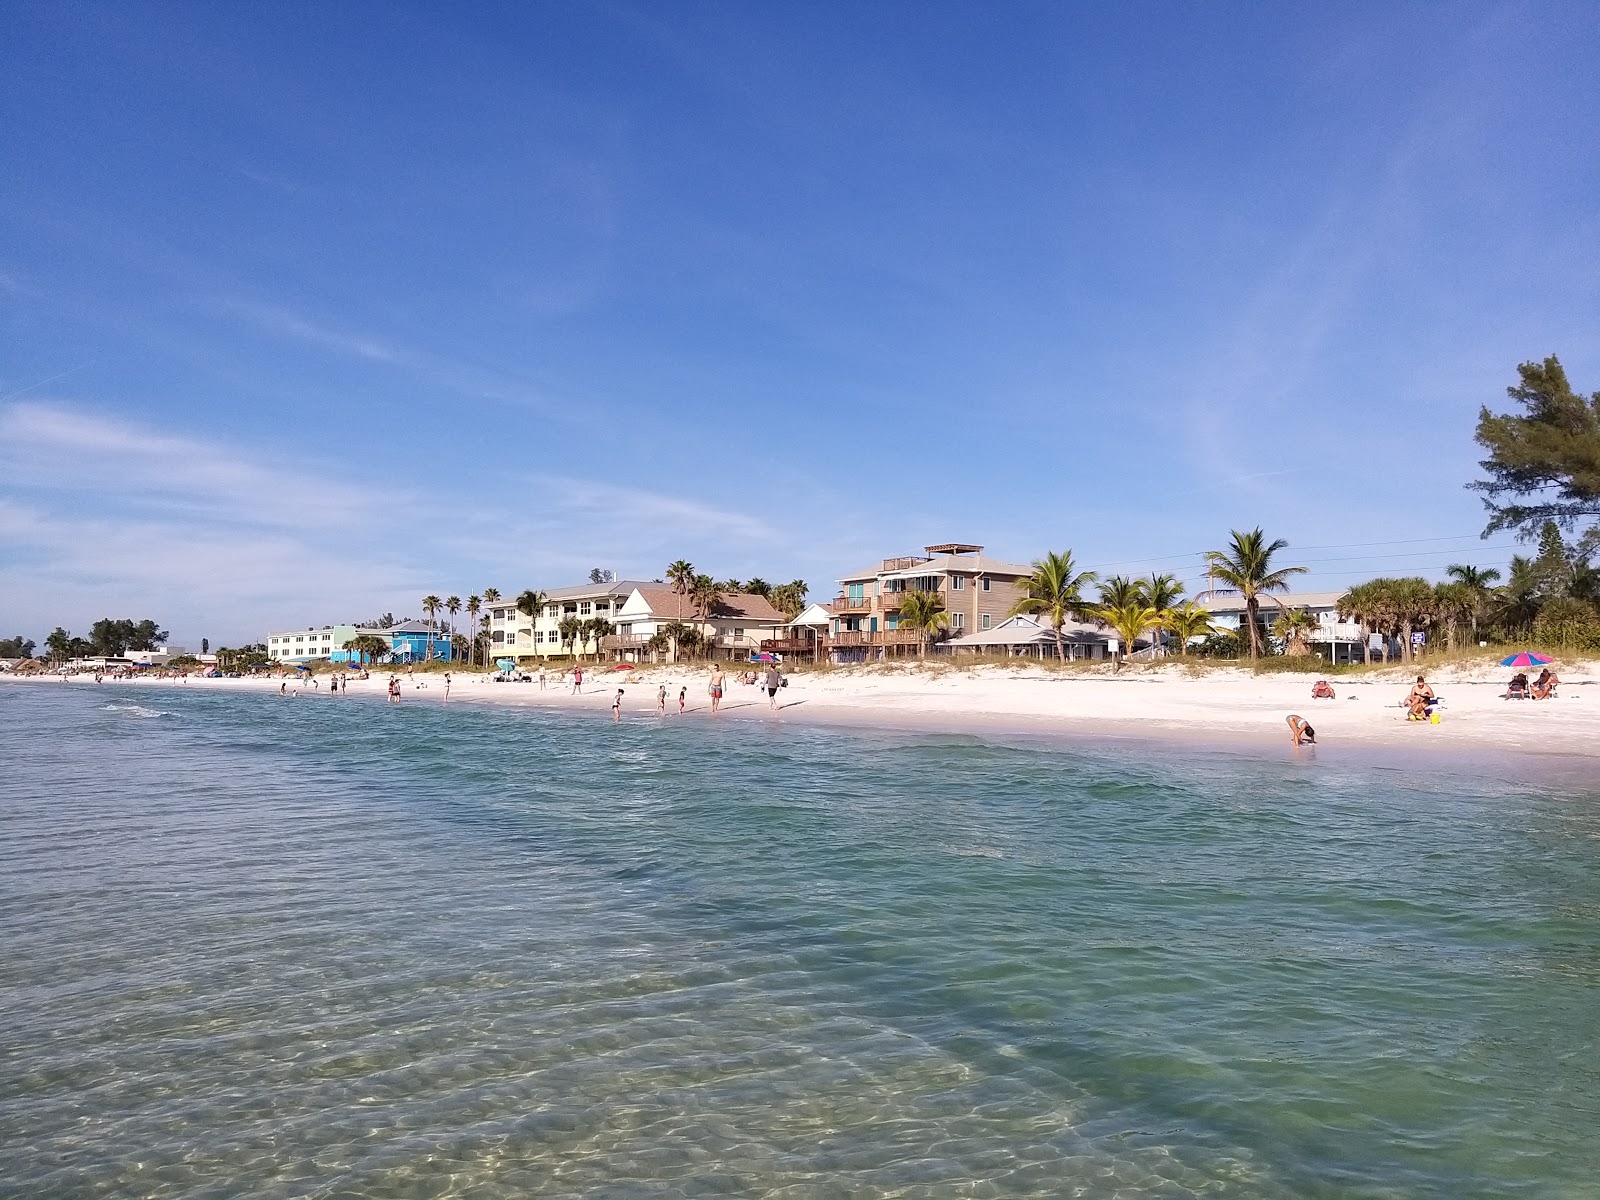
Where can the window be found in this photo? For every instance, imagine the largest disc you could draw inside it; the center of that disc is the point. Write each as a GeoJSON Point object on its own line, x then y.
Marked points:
{"type": "Point", "coordinates": [957, 583]}
{"type": "Point", "coordinates": [498, 636]}
{"type": "Point", "coordinates": [856, 592]}
{"type": "Point", "coordinates": [986, 583]}
{"type": "Point", "coordinates": [585, 609]}
{"type": "Point", "coordinates": [960, 620]}
{"type": "Point", "coordinates": [985, 621]}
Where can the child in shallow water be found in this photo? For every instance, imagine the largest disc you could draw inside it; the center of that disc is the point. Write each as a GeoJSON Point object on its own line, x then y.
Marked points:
{"type": "Point", "coordinates": [1300, 730]}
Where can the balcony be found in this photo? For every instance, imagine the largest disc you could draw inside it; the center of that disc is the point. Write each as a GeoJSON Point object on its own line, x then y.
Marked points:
{"type": "Point", "coordinates": [623, 641]}
{"type": "Point", "coordinates": [791, 645]}
{"type": "Point", "coordinates": [883, 637]}
{"type": "Point", "coordinates": [892, 600]}
{"type": "Point", "coordinates": [847, 604]}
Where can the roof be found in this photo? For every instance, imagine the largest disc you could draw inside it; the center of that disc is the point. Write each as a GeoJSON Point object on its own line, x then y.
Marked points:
{"type": "Point", "coordinates": [736, 606]}
{"type": "Point", "coordinates": [1028, 631]}
{"type": "Point", "coordinates": [1230, 602]}
{"type": "Point", "coordinates": [405, 627]}
{"type": "Point", "coordinates": [588, 591]}
{"type": "Point", "coordinates": [814, 614]}
{"type": "Point", "coordinates": [967, 564]}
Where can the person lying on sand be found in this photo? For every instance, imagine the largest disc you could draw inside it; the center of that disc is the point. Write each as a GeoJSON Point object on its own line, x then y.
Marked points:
{"type": "Point", "coordinates": [1300, 730]}
{"type": "Point", "coordinates": [1545, 685]}
{"type": "Point", "coordinates": [1322, 690]}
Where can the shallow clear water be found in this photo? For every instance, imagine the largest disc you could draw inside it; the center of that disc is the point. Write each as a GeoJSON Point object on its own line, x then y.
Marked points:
{"type": "Point", "coordinates": [325, 947]}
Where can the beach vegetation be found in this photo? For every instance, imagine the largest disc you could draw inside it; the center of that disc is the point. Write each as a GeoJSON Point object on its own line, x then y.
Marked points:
{"type": "Point", "coordinates": [1544, 462]}
{"type": "Point", "coordinates": [1054, 590]}
{"type": "Point", "coordinates": [1223, 643]}
{"type": "Point", "coordinates": [1293, 629]}
{"type": "Point", "coordinates": [1130, 621]}
{"type": "Point", "coordinates": [368, 647]}
{"type": "Point", "coordinates": [1477, 581]}
{"type": "Point", "coordinates": [789, 598]}
{"type": "Point", "coordinates": [924, 613]}
{"type": "Point", "coordinates": [16, 647]}
{"type": "Point", "coordinates": [1188, 621]}
{"type": "Point", "coordinates": [1246, 566]}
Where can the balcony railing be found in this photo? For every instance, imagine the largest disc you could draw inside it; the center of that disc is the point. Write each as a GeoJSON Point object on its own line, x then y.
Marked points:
{"type": "Point", "coordinates": [791, 645]}
{"type": "Point", "coordinates": [851, 604]}
{"type": "Point", "coordinates": [622, 641]}
{"type": "Point", "coordinates": [883, 637]}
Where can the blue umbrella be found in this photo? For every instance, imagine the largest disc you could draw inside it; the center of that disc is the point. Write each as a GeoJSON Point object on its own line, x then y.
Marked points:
{"type": "Point", "coordinates": [1525, 659]}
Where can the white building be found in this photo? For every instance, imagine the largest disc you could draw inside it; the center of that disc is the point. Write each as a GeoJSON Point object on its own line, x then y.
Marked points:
{"type": "Point", "coordinates": [736, 627]}
{"type": "Point", "coordinates": [1338, 641]}
{"type": "Point", "coordinates": [303, 645]}
{"type": "Point", "coordinates": [513, 634]}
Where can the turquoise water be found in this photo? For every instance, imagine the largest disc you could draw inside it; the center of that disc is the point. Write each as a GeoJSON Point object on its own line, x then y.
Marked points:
{"type": "Point", "coordinates": [328, 947]}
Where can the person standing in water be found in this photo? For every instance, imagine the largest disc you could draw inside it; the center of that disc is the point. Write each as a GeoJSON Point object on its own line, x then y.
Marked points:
{"type": "Point", "coordinates": [447, 687]}
{"type": "Point", "coordinates": [616, 708]}
{"type": "Point", "coordinates": [716, 689]}
{"type": "Point", "coordinates": [661, 700]}
{"type": "Point", "coordinates": [683, 697]}
{"type": "Point", "coordinates": [774, 682]}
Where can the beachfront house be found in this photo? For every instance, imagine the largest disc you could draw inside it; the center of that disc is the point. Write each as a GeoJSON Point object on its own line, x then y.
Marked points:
{"type": "Point", "coordinates": [978, 594]}
{"type": "Point", "coordinates": [410, 642]}
{"type": "Point", "coordinates": [735, 628]}
{"type": "Point", "coordinates": [515, 635]}
{"type": "Point", "coordinates": [303, 645]}
{"type": "Point", "coordinates": [805, 636]}
{"type": "Point", "coordinates": [1335, 640]}
{"type": "Point", "coordinates": [1026, 636]}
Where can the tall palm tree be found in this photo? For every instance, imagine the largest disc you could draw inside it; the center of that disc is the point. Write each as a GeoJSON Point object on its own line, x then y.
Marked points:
{"type": "Point", "coordinates": [758, 586]}
{"type": "Point", "coordinates": [1120, 591]}
{"type": "Point", "coordinates": [570, 629]}
{"type": "Point", "coordinates": [596, 629]}
{"type": "Point", "coordinates": [1294, 628]}
{"type": "Point", "coordinates": [1246, 566]}
{"type": "Point", "coordinates": [1453, 603]}
{"type": "Point", "coordinates": [474, 606]}
{"type": "Point", "coordinates": [1131, 620]}
{"type": "Point", "coordinates": [1516, 601]}
{"type": "Point", "coordinates": [706, 595]}
{"type": "Point", "coordinates": [1161, 592]}
{"type": "Point", "coordinates": [1186, 622]}
{"type": "Point", "coordinates": [681, 577]}
{"type": "Point", "coordinates": [430, 605]}
{"type": "Point", "coordinates": [1055, 590]}
{"type": "Point", "coordinates": [367, 646]}
{"type": "Point", "coordinates": [789, 598]}
{"type": "Point", "coordinates": [453, 606]}
{"type": "Point", "coordinates": [529, 602]}
{"type": "Point", "coordinates": [491, 595]}
{"type": "Point", "coordinates": [1413, 602]}
{"type": "Point", "coordinates": [1477, 580]}
{"type": "Point", "coordinates": [1360, 604]}
{"type": "Point", "coordinates": [923, 612]}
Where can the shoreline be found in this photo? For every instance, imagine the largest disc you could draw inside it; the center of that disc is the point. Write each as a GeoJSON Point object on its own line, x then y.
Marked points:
{"type": "Point", "coordinates": [1238, 714]}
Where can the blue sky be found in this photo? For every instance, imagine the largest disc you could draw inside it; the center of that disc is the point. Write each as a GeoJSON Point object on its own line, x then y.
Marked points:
{"type": "Point", "coordinates": [307, 310]}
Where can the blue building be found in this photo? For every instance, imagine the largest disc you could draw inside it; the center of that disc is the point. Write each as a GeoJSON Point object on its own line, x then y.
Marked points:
{"type": "Point", "coordinates": [411, 640]}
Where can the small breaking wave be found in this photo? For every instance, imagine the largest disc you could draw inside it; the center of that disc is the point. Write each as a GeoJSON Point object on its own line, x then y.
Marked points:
{"type": "Point", "coordinates": [135, 710]}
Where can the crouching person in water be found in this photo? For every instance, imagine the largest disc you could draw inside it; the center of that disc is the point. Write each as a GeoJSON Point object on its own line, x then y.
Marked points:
{"type": "Point", "coordinates": [1300, 731]}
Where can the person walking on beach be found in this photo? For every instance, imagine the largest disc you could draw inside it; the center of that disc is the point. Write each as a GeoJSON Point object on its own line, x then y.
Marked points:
{"type": "Point", "coordinates": [683, 697]}
{"type": "Point", "coordinates": [774, 682]}
{"type": "Point", "coordinates": [616, 708]}
{"type": "Point", "coordinates": [716, 689]}
{"type": "Point", "coordinates": [541, 679]}
{"type": "Point", "coordinates": [577, 682]}
{"type": "Point", "coordinates": [661, 700]}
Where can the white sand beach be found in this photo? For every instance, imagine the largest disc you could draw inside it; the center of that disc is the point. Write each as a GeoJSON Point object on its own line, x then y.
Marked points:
{"type": "Point", "coordinates": [1167, 701]}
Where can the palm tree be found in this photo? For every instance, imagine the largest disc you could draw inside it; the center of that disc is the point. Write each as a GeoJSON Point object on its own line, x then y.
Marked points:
{"type": "Point", "coordinates": [789, 598]}
{"type": "Point", "coordinates": [923, 612]}
{"type": "Point", "coordinates": [1186, 622]}
{"type": "Point", "coordinates": [367, 645]}
{"type": "Point", "coordinates": [1131, 620]}
{"type": "Point", "coordinates": [1360, 603]}
{"type": "Point", "coordinates": [1161, 592]}
{"type": "Point", "coordinates": [1412, 599]}
{"type": "Point", "coordinates": [1453, 603]}
{"type": "Point", "coordinates": [596, 629]}
{"type": "Point", "coordinates": [529, 602]}
{"type": "Point", "coordinates": [1293, 628]}
{"type": "Point", "coordinates": [1516, 601]}
{"type": "Point", "coordinates": [1055, 590]}
{"type": "Point", "coordinates": [1120, 591]}
{"type": "Point", "coordinates": [570, 629]}
{"type": "Point", "coordinates": [474, 606]}
{"type": "Point", "coordinates": [1477, 581]}
{"type": "Point", "coordinates": [758, 586]}
{"type": "Point", "coordinates": [706, 595]}
{"type": "Point", "coordinates": [730, 586]}
{"type": "Point", "coordinates": [453, 607]}
{"type": "Point", "coordinates": [1246, 566]}
{"type": "Point", "coordinates": [491, 595]}
{"type": "Point", "coordinates": [430, 605]}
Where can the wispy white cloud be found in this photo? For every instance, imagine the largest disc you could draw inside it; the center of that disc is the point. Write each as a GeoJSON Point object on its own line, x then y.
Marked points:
{"type": "Point", "coordinates": [653, 514]}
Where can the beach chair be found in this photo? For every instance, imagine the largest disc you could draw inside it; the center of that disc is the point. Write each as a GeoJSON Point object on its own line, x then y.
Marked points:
{"type": "Point", "coordinates": [1517, 689]}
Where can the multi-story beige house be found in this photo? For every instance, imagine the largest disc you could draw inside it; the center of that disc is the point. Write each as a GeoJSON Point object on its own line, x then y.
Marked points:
{"type": "Point", "coordinates": [978, 593]}
{"type": "Point", "coordinates": [513, 634]}
{"type": "Point", "coordinates": [735, 628]}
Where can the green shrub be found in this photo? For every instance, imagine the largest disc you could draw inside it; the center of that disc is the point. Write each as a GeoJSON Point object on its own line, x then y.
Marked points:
{"type": "Point", "coordinates": [1568, 623]}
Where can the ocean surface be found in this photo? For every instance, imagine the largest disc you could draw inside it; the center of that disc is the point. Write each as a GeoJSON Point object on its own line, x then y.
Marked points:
{"type": "Point", "coordinates": [333, 948]}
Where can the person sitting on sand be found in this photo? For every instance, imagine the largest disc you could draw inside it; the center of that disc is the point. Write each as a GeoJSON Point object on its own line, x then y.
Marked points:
{"type": "Point", "coordinates": [1419, 701]}
{"type": "Point", "coordinates": [1322, 690]}
{"type": "Point", "coordinates": [1544, 686]}
{"type": "Point", "coordinates": [1300, 731]}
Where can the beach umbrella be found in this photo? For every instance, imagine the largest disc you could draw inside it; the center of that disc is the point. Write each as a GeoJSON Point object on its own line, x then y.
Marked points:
{"type": "Point", "coordinates": [763, 657]}
{"type": "Point", "coordinates": [1525, 659]}
{"type": "Point", "coordinates": [624, 666]}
